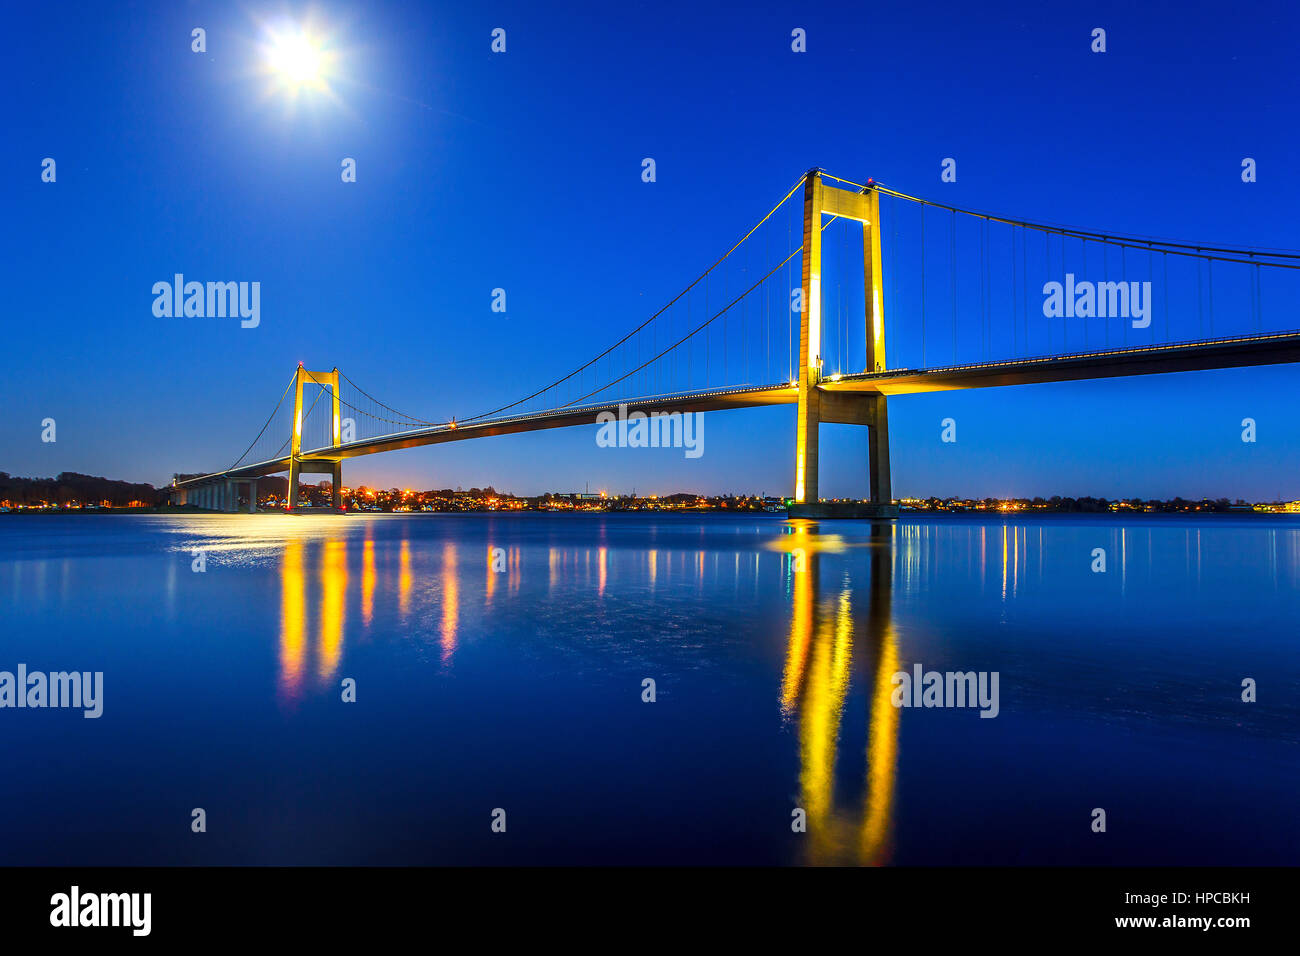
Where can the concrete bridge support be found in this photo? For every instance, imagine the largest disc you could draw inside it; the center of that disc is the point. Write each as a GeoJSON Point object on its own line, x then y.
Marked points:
{"type": "Point", "coordinates": [328, 380]}
{"type": "Point", "coordinates": [217, 495]}
{"type": "Point", "coordinates": [852, 408]}
{"type": "Point", "coordinates": [815, 404]}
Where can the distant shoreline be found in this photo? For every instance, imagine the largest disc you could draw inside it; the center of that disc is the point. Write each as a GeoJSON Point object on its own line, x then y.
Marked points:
{"type": "Point", "coordinates": [694, 512]}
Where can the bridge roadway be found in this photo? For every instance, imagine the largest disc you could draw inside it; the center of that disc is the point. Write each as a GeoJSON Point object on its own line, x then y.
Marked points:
{"type": "Point", "coordinates": [1236, 352]}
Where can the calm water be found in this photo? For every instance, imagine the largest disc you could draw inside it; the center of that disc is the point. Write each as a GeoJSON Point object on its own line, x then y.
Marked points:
{"type": "Point", "coordinates": [771, 644]}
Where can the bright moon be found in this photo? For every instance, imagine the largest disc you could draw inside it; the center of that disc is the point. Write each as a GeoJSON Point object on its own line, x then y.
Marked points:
{"type": "Point", "coordinates": [298, 60]}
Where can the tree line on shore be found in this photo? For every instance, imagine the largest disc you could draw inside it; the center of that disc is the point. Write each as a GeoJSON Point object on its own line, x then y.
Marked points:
{"type": "Point", "coordinates": [69, 486]}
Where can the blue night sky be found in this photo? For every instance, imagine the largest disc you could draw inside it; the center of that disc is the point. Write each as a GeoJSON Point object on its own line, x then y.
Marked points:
{"type": "Point", "coordinates": [522, 171]}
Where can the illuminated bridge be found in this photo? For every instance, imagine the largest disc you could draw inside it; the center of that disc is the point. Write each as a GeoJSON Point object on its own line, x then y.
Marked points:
{"type": "Point", "coordinates": [966, 299]}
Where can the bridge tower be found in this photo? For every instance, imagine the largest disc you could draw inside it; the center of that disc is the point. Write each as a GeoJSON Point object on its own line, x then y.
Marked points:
{"type": "Point", "coordinates": [817, 404]}
{"type": "Point", "coordinates": [315, 465]}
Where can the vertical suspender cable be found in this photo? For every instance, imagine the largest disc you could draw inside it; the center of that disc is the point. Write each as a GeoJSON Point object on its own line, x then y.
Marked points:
{"type": "Point", "coordinates": [952, 276]}
{"type": "Point", "coordinates": [1209, 272]}
{"type": "Point", "coordinates": [1164, 258]}
{"type": "Point", "coordinates": [1024, 284]}
{"type": "Point", "coordinates": [1200, 307]}
{"type": "Point", "coordinates": [1084, 246]}
{"type": "Point", "coordinates": [1123, 275]}
{"type": "Point", "coordinates": [984, 348]}
{"type": "Point", "coordinates": [1047, 267]}
{"type": "Point", "coordinates": [923, 286]}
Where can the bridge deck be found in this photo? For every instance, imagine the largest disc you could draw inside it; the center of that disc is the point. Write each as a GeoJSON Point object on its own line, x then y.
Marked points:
{"type": "Point", "coordinates": [1236, 352]}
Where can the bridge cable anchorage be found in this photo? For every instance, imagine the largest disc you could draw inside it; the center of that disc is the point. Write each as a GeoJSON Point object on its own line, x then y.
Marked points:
{"type": "Point", "coordinates": [656, 315]}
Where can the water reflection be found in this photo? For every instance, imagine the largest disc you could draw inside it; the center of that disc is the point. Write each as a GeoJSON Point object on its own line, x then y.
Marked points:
{"type": "Point", "coordinates": [404, 578]}
{"type": "Point", "coordinates": [368, 582]}
{"type": "Point", "coordinates": [334, 588]}
{"type": "Point", "coordinates": [293, 599]}
{"type": "Point", "coordinates": [450, 606]}
{"type": "Point", "coordinates": [824, 637]}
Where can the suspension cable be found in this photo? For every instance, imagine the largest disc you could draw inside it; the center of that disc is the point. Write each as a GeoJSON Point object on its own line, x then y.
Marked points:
{"type": "Point", "coordinates": [419, 421]}
{"type": "Point", "coordinates": [1114, 238]}
{"type": "Point", "coordinates": [671, 302]}
{"type": "Point", "coordinates": [264, 427]}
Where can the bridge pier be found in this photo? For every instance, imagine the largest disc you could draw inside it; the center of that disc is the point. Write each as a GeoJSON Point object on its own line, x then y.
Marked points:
{"type": "Point", "coordinates": [882, 488]}
{"type": "Point", "coordinates": [220, 494]}
{"type": "Point", "coordinates": [868, 409]}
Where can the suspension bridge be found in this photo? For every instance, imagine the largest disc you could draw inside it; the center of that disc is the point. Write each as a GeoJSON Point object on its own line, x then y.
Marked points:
{"type": "Point", "coordinates": [964, 299]}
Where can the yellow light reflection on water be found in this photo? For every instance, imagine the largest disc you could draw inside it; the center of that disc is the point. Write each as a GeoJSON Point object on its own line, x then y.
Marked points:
{"type": "Point", "coordinates": [404, 578]}
{"type": "Point", "coordinates": [882, 753]}
{"type": "Point", "coordinates": [815, 687]}
{"type": "Point", "coordinates": [293, 644]}
{"type": "Point", "coordinates": [333, 601]}
{"type": "Point", "coordinates": [450, 609]}
{"type": "Point", "coordinates": [368, 582]}
{"type": "Point", "coordinates": [826, 683]}
{"type": "Point", "coordinates": [801, 624]}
